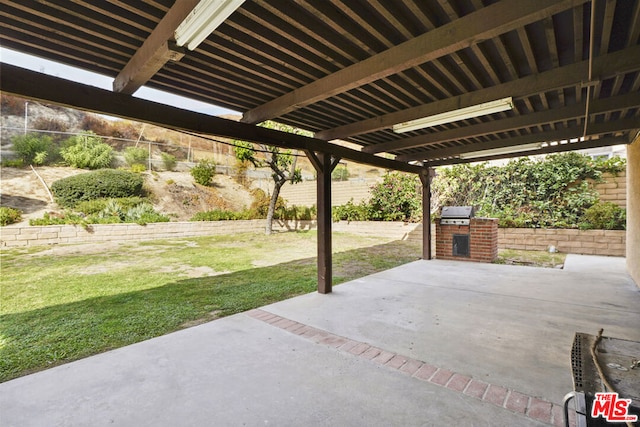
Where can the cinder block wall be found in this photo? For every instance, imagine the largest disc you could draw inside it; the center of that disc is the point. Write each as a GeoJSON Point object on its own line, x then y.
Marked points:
{"type": "Point", "coordinates": [613, 189]}
{"type": "Point", "coordinates": [591, 242]}
{"type": "Point", "coordinates": [585, 242]}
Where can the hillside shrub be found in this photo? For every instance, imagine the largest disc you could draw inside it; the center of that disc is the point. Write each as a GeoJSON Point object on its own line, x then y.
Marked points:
{"type": "Point", "coordinates": [604, 216]}
{"type": "Point", "coordinates": [169, 161]}
{"type": "Point", "coordinates": [99, 184]}
{"type": "Point", "coordinates": [9, 215]}
{"type": "Point", "coordinates": [295, 213]}
{"type": "Point", "coordinates": [221, 215]}
{"type": "Point", "coordinates": [136, 156]}
{"type": "Point", "coordinates": [34, 149]}
{"type": "Point", "coordinates": [350, 212]}
{"type": "Point", "coordinates": [138, 168]}
{"type": "Point", "coordinates": [204, 172]}
{"type": "Point", "coordinates": [90, 207]}
{"type": "Point", "coordinates": [67, 217]}
{"type": "Point", "coordinates": [340, 173]}
{"type": "Point", "coordinates": [397, 198]}
{"type": "Point", "coordinates": [87, 151]}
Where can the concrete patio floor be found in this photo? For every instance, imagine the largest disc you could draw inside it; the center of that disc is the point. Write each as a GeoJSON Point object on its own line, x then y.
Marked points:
{"type": "Point", "coordinates": [428, 343]}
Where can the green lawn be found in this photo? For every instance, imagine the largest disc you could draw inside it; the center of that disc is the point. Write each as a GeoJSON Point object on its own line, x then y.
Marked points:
{"type": "Point", "coordinates": [63, 303]}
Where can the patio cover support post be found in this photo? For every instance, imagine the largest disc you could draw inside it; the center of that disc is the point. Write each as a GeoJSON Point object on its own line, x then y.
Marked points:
{"type": "Point", "coordinates": [425, 178]}
{"type": "Point", "coordinates": [324, 165]}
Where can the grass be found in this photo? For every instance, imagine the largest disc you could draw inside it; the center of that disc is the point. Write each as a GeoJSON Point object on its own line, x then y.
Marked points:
{"type": "Point", "coordinates": [532, 258]}
{"type": "Point", "coordinates": [63, 303]}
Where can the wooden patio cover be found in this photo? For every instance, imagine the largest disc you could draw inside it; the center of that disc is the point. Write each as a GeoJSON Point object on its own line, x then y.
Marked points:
{"type": "Point", "coordinates": [350, 70]}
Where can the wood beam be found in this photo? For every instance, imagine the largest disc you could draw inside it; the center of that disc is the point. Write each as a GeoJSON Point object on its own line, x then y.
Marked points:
{"type": "Point", "coordinates": [595, 143]}
{"type": "Point", "coordinates": [564, 134]}
{"type": "Point", "coordinates": [30, 84]}
{"type": "Point", "coordinates": [486, 23]}
{"type": "Point", "coordinates": [600, 106]}
{"type": "Point", "coordinates": [324, 164]}
{"type": "Point", "coordinates": [156, 50]}
{"type": "Point", "coordinates": [620, 62]}
{"type": "Point", "coordinates": [425, 178]}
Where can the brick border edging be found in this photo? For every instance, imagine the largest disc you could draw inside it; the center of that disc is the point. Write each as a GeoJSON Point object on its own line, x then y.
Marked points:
{"type": "Point", "coordinates": [529, 406]}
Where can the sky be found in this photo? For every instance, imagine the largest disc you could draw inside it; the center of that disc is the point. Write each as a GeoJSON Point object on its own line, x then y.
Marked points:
{"type": "Point", "coordinates": [93, 79]}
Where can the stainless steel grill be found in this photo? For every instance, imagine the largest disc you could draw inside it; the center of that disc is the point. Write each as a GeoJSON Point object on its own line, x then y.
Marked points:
{"type": "Point", "coordinates": [456, 215]}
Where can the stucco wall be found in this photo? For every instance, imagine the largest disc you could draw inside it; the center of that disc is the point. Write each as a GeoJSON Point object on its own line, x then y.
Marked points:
{"type": "Point", "coordinates": [633, 210]}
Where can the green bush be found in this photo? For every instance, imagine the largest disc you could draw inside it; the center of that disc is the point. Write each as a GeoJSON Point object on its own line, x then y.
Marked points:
{"type": "Point", "coordinates": [604, 216]}
{"type": "Point", "coordinates": [340, 173]}
{"type": "Point", "coordinates": [350, 212]}
{"type": "Point", "coordinates": [67, 217]}
{"type": "Point", "coordinates": [138, 168]}
{"type": "Point", "coordinates": [90, 207]}
{"type": "Point", "coordinates": [9, 215]}
{"type": "Point", "coordinates": [553, 192]}
{"type": "Point", "coordinates": [169, 161]}
{"type": "Point", "coordinates": [397, 198]}
{"type": "Point", "coordinates": [34, 149]}
{"type": "Point", "coordinates": [204, 172]}
{"type": "Point", "coordinates": [106, 183]}
{"type": "Point", "coordinates": [221, 215]}
{"type": "Point", "coordinates": [613, 165]}
{"type": "Point", "coordinates": [144, 213]}
{"type": "Point", "coordinates": [13, 163]}
{"type": "Point", "coordinates": [136, 156]}
{"type": "Point", "coordinates": [87, 151]}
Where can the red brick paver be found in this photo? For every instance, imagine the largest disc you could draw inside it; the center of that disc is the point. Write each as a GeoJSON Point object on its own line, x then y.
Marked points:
{"type": "Point", "coordinates": [383, 357]}
{"type": "Point", "coordinates": [458, 382]}
{"type": "Point", "coordinates": [517, 402]}
{"type": "Point", "coordinates": [495, 394]}
{"type": "Point", "coordinates": [396, 362]}
{"type": "Point", "coordinates": [425, 372]}
{"type": "Point", "coordinates": [411, 366]}
{"type": "Point", "coordinates": [476, 389]}
{"type": "Point", "coordinates": [441, 377]}
{"type": "Point", "coordinates": [540, 410]}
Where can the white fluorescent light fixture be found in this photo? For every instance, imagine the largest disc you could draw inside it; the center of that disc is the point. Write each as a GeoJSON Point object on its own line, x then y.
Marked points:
{"type": "Point", "coordinates": [203, 20]}
{"type": "Point", "coordinates": [491, 107]}
{"type": "Point", "coordinates": [502, 150]}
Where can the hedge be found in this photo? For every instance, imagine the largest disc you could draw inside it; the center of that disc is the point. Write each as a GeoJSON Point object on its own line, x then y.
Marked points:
{"type": "Point", "coordinates": [104, 183]}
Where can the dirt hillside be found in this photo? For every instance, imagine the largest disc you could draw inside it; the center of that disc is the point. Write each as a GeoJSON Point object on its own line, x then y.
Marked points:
{"type": "Point", "coordinates": [173, 193]}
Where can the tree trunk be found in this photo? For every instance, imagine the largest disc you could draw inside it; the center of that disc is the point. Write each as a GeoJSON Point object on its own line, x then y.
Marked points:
{"type": "Point", "coordinates": [278, 183]}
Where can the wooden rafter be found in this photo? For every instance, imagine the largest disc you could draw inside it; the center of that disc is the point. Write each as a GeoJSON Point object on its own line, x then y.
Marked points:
{"type": "Point", "coordinates": [623, 61]}
{"type": "Point", "coordinates": [156, 50]}
{"type": "Point", "coordinates": [486, 23]}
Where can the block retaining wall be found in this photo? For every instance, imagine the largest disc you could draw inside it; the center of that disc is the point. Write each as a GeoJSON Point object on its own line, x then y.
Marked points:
{"type": "Point", "coordinates": [585, 242]}
{"type": "Point", "coordinates": [590, 242]}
